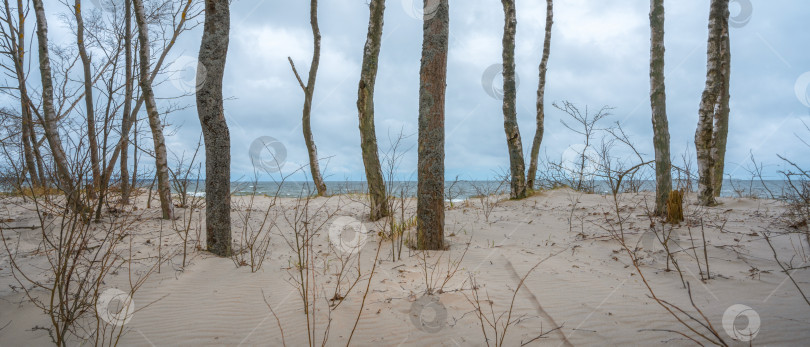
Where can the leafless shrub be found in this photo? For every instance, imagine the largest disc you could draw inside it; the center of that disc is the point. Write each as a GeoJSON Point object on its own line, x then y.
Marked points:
{"type": "Point", "coordinates": [787, 268]}
{"type": "Point", "coordinates": [80, 256]}
{"type": "Point", "coordinates": [398, 193]}
{"type": "Point", "coordinates": [575, 173]}
{"type": "Point", "coordinates": [695, 321]}
{"type": "Point", "coordinates": [747, 189]}
{"type": "Point", "coordinates": [613, 171]}
{"type": "Point", "coordinates": [664, 235]}
{"type": "Point", "coordinates": [437, 274]}
{"type": "Point", "coordinates": [684, 175]}
{"type": "Point", "coordinates": [797, 195]}
{"type": "Point", "coordinates": [453, 192]}
{"type": "Point", "coordinates": [307, 219]}
{"type": "Point", "coordinates": [253, 245]}
{"type": "Point", "coordinates": [488, 194]}
{"type": "Point", "coordinates": [494, 325]}
{"type": "Point", "coordinates": [181, 175]}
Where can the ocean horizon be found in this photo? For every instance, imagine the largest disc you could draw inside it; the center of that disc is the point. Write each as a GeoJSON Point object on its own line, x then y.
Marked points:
{"type": "Point", "coordinates": [464, 189]}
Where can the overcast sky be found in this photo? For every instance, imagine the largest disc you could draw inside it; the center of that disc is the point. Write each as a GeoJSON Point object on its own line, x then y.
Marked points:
{"type": "Point", "coordinates": [599, 56]}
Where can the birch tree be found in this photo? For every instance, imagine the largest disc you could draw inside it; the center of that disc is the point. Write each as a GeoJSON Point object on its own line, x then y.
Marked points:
{"type": "Point", "coordinates": [309, 90]}
{"type": "Point", "coordinates": [722, 110]}
{"type": "Point", "coordinates": [13, 45]}
{"type": "Point", "coordinates": [48, 118]}
{"type": "Point", "coordinates": [541, 91]}
{"type": "Point", "coordinates": [213, 51]}
{"type": "Point", "coordinates": [713, 91]}
{"type": "Point", "coordinates": [161, 160]}
{"type": "Point", "coordinates": [658, 100]}
{"type": "Point", "coordinates": [126, 121]}
{"type": "Point", "coordinates": [365, 108]}
{"type": "Point", "coordinates": [510, 125]}
{"type": "Point", "coordinates": [432, 87]}
{"type": "Point", "coordinates": [172, 27]}
{"type": "Point", "coordinates": [88, 94]}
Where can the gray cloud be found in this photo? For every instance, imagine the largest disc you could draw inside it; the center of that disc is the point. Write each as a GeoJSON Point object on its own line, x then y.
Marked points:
{"type": "Point", "coordinates": [600, 56]}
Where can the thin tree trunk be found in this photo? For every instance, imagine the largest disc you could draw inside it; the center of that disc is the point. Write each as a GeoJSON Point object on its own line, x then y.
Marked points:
{"type": "Point", "coordinates": [309, 91]}
{"type": "Point", "coordinates": [129, 119]}
{"type": "Point", "coordinates": [65, 182]}
{"type": "Point", "coordinates": [35, 144]}
{"type": "Point", "coordinates": [658, 100]}
{"type": "Point", "coordinates": [17, 54]}
{"type": "Point", "coordinates": [88, 97]}
{"type": "Point", "coordinates": [541, 91]}
{"type": "Point", "coordinates": [365, 109]}
{"type": "Point", "coordinates": [161, 160]}
{"type": "Point", "coordinates": [134, 184]}
{"type": "Point", "coordinates": [126, 119]}
{"type": "Point", "coordinates": [714, 87]}
{"type": "Point", "coordinates": [432, 88]}
{"type": "Point", "coordinates": [213, 51]}
{"type": "Point", "coordinates": [720, 136]}
{"type": "Point", "coordinates": [510, 125]}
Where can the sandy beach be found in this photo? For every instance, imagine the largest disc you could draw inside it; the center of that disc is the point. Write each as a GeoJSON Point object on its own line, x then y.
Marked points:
{"type": "Point", "coordinates": [585, 290]}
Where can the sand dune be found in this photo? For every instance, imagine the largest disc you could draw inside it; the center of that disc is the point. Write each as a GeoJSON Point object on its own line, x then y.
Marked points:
{"type": "Point", "coordinates": [585, 293]}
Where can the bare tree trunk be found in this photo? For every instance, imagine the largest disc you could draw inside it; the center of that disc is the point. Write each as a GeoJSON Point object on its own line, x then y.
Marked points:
{"type": "Point", "coordinates": [720, 136]}
{"type": "Point", "coordinates": [88, 96]}
{"type": "Point", "coordinates": [309, 90]}
{"type": "Point", "coordinates": [65, 182]}
{"type": "Point", "coordinates": [35, 144]}
{"type": "Point", "coordinates": [16, 37]}
{"type": "Point", "coordinates": [134, 136]}
{"type": "Point", "coordinates": [161, 160]}
{"type": "Point", "coordinates": [658, 100]}
{"type": "Point", "coordinates": [130, 118]}
{"type": "Point", "coordinates": [126, 119]}
{"type": "Point", "coordinates": [510, 125]}
{"type": "Point", "coordinates": [714, 86]}
{"type": "Point", "coordinates": [27, 129]}
{"type": "Point", "coordinates": [365, 108]}
{"type": "Point", "coordinates": [541, 91]}
{"type": "Point", "coordinates": [432, 88]}
{"type": "Point", "coordinates": [213, 51]}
